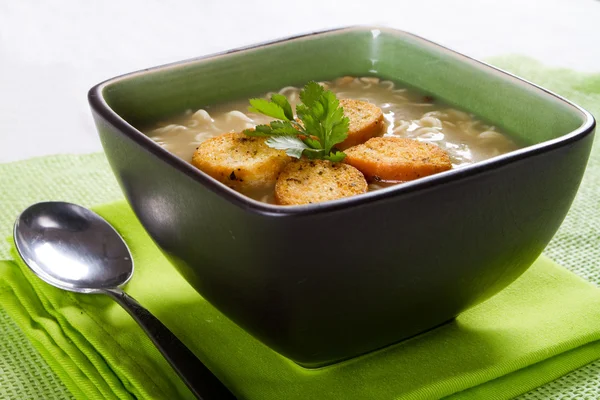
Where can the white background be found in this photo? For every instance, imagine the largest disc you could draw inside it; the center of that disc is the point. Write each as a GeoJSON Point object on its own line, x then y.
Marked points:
{"type": "Point", "coordinates": [52, 52]}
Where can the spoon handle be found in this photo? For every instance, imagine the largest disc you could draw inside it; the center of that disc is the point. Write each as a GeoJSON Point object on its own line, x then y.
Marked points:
{"type": "Point", "coordinates": [198, 378]}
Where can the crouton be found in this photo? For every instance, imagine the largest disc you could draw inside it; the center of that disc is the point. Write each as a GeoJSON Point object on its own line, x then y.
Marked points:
{"type": "Point", "coordinates": [312, 181]}
{"type": "Point", "coordinates": [397, 159]}
{"type": "Point", "coordinates": [366, 121]}
{"type": "Point", "coordinates": [242, 162]}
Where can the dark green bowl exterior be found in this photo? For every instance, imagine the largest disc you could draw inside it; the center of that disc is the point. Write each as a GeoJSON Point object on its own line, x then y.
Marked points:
{"type": "Point", "coordinates": [327, 282]}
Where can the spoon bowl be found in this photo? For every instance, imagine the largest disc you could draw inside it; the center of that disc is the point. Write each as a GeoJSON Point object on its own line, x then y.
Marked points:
{"type": "Point", "coordinates": [75, 249]}
{"type": "Point", "coordinates": [72, 248]}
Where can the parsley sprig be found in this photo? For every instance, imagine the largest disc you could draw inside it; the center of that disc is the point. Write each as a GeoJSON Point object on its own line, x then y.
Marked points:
{"type": "Point", "coordinates": [322, 126]}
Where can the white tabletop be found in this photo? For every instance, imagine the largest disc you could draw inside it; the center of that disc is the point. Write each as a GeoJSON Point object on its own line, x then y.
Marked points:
{"type": "Point", "coordinates": [51, 53]}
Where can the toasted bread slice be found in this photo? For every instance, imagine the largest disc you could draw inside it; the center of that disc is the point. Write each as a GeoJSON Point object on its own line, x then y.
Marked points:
{"type": "Point", "coordinates": [397, 159]}
{"type": "Point", "coordinates": [312, 181]}
{"type": "Point", "coordinates": [366, 121]}
{"type": "Point", "coordinates": [242, 162]}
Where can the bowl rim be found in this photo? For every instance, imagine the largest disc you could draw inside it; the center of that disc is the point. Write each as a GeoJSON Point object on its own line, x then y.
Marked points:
{"type": "Point", "coordinates": [99, 105]}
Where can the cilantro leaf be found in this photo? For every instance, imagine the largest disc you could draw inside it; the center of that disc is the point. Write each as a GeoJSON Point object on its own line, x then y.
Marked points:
{"type": "Point", "coordinates": [259, 130]}
{"type": "Point", "coordinates": [322, 124]}
{"type": "Point", "coordinates": [266, 107]}
{"type": "Point", "coordinates": [309, 120]}
{"type": "Point", "coordinates": [311, 93]}
{"type": "Point", "coordinates": [284, 128]}
{"type": "Point", "coordinates": [275, 128]}
{"type": "Point", "coordinates": [335, 124]}
{"type": "Point", "coordinates": [313, 143]}
{"type": "Point", "coordinates": [336, 156]}
{"type": "Point", "coordinates": [282, 102]}
{"type": "Point", "coordinates": [324, 118]}
{"type": "Point", "coordinates": [293, 146]}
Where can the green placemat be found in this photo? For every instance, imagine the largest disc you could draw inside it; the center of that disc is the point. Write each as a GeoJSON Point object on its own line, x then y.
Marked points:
{"type": "Point", "coordinates": [83, 179]}
{"type": "Point", "coordinates": [541, 326]}
{"type": "Point", "coordinates": [87, 180]}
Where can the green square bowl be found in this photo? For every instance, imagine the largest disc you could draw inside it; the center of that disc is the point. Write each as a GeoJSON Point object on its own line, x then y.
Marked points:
{"type": "Point", "coordinates": [325, 282]}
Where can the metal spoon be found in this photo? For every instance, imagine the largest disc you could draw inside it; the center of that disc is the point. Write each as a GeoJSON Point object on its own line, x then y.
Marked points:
{"type": "Point", "coordinates": [74, 249]}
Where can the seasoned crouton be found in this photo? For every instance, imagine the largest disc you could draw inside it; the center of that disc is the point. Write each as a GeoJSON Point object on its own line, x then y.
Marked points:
{"type": "Point", "coordinates": [366, 121]}
{"type": "Point", "coordinates": [397, 159]}
{"type": "Point", "coordinates": [312, 181]}
{"type": "Point", "coordinates": [239, 161]}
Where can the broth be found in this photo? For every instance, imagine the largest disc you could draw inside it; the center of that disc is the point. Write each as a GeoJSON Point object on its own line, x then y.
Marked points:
{"type": "Point", "coordinates": [407, 113]}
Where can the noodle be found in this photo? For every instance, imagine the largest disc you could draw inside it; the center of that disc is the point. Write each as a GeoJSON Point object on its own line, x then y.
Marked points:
{"type": "Point", "coordinates": [465, 138]}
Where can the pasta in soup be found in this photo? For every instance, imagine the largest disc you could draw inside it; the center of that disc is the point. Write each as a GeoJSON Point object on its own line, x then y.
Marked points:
{"type": "Point", "coordinates": [435, 137]}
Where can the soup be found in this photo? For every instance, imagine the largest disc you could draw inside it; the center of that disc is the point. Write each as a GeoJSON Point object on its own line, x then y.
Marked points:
{"type": "Point", "coordinates": [406, 114]}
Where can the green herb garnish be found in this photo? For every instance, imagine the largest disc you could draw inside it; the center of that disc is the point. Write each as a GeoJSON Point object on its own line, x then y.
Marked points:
{"type": "Point", "coordinates": [323, 124]}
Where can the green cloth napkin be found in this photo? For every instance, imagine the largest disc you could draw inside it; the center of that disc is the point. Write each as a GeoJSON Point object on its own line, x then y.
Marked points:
{"type": "Point", "coordinates": [545, 324]}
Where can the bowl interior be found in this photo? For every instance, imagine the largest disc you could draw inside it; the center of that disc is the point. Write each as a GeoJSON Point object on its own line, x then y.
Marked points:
{"type": "Point", "coordinates": [527, 113]}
